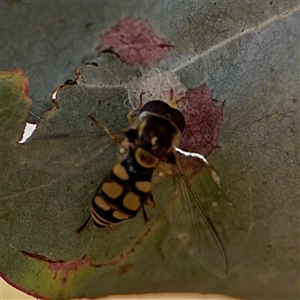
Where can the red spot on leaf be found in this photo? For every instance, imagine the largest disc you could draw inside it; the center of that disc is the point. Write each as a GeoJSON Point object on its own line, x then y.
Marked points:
{"type": "Point", "coordinates": [18, 72]}
{"type": "Point", "coordinates": [124, 269]}
{"type": "Point", "coordinates": [67, 266]}
{"type": "Point", "coordinates": [59, 266]}
{"type": "Point", "coordinates": [203, 121]}
{"type": "Point", "coordinates": [135, 42]}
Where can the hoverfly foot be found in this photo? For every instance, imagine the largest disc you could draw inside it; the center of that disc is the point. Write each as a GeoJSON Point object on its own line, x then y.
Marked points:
{"type": "Point", "coordinates": [78, 231]}
{"type": "Point", "coordinates": [144, 215]}
{"type": "Point", "coordinates": [150, 201]}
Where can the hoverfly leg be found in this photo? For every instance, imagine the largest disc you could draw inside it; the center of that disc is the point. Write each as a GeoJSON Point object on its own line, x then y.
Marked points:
{"type": "Point", "coordinates": [100, 124]}
{"type": "Point", "coordinates": [171, 94]}
{"type": "Point", "coordinates": [150, 201]}
{"type": "Point", "coordinates": [130, 118]}
{"type": "Point", "coordinates": [144, 214]}
{"type": "Point", "coordinates": [171, 158]}
{"type": "Point", "coordinates": [167, 166]}
{"type": "Point", "coordinates": [133, 115]}
{"type": "Point", "coordinates": [131, 134]}
{"type": "Point", "coordinates": [78, 231]}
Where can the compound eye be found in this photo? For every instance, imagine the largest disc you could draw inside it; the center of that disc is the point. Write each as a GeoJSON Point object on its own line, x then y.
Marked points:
{"type": "Point", "coordinates": [156, 107]}
{"type": "Point", "coordinates": [162, 109]}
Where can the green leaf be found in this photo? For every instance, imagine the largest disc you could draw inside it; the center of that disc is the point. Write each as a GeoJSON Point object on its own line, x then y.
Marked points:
{"type": "Point", "coordinates": [248, 54]}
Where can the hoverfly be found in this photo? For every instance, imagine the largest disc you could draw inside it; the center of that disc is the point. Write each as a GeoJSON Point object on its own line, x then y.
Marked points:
{"type": "Point", "coordinates": [127, 188]}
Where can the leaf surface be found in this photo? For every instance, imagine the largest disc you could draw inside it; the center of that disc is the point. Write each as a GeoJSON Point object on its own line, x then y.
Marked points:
{"type": "Point", "coordinates": [248, 54]}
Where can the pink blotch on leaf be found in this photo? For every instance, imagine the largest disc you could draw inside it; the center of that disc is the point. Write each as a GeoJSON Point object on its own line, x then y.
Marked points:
{"type": "Point", "coordinates": [59, 266]}
{"type": "Point", "coordinates": [135, 42]}
{"type": "Point", "coordinates": [203, 121]}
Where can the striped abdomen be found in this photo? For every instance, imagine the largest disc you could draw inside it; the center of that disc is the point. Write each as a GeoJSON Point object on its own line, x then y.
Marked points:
{"type": "Point", "coordinates": [122, 193]}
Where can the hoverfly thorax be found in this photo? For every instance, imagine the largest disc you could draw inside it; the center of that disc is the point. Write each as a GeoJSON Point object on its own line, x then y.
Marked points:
{"type": "Point", "coordinates": [160, 128]}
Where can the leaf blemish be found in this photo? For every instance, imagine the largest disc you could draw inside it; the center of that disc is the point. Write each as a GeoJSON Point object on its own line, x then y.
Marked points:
{"type": "Point", "coordinates": [203, 121]}
{"type": "Point", "coordinates": [59, 266]}
{"type": "Point", "coordinates": [134, 42]}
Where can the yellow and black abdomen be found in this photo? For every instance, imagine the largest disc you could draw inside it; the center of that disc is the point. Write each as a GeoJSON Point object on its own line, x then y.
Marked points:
{"type": "Point", "coordinates": [122, 193]}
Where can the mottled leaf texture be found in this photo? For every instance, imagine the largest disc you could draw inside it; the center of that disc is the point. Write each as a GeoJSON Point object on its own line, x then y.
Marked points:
{"type": "Point", "coordinates": [244, 54]}
{"type": "Point", "coordinates": [135, 42]}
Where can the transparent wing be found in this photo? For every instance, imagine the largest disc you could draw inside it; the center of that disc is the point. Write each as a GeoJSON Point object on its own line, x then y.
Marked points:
{"type": "Point", "coordinates": [63, 153]}
{"type": "Point", "coordinates": [193, 230]}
